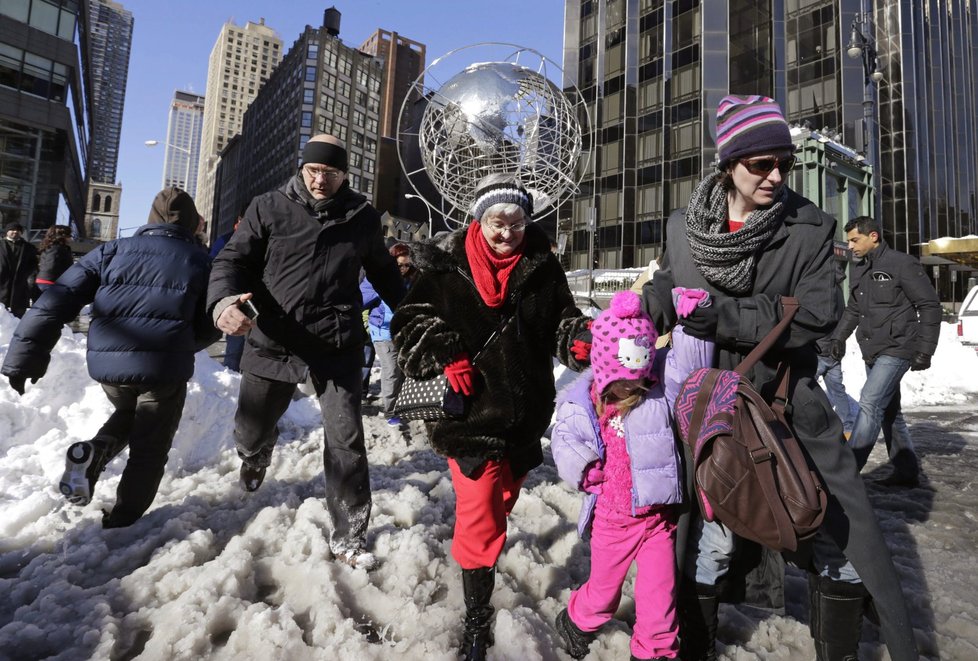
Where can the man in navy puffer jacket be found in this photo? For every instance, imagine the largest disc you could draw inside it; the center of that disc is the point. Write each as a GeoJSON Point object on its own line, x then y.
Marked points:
{"type": "Point", "coordinates": [148, 320]}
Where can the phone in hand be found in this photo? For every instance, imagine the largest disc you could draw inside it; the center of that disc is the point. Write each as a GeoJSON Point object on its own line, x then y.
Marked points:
{"type": "Point", "coordinates": [249, 309]}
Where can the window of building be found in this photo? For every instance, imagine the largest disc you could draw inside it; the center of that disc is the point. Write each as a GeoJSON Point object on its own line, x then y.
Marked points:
{"type": "Point", "coordinates": [312, 51]}
{"type": "Point", "coordinates": [612, 109]}
{"type": "Point", "coordinates": [308, 95]}
{"type": "Point", "coordinates": [107, 207]}
{"type": "Point", "coordinates": [96, 202]}
{"type": "Point", "coordinates": [368, 165]}
{"type": "Point", "coordinates": [310, 74]}
{"type": "Point", "coordinates": [649, 147]}
{"type": "Point", "coordinates": [358, 118]}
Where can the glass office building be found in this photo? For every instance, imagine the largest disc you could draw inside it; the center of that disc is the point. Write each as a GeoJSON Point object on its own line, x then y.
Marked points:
{"type": "Point", "coordinates": [653, 71]}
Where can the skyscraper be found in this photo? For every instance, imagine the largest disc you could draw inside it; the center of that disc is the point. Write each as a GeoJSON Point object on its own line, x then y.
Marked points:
{"type": "Point", "coordinates": [43, 137]}
{"type": "Point", "coordinates": [653, 71]}
{"type": "Point", "coordinates": [183, 134]}
{"type": "Point", "coordinates": [109, 41]}
{"type": "Point", "coordinates": [239, 64]}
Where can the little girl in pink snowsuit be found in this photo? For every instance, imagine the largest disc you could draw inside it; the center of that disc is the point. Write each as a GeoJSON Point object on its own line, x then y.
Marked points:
{"type": "Point", "coordinates": [613, 439]}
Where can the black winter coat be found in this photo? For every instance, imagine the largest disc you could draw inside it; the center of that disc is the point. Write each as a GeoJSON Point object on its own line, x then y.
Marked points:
{"type": "Point", "coordinates": [18, 262]}
{"type": "Point", "coordinates": [443, 314]}
{"type": "Point", "coordinates": [797, 261]}
{"type": "Point", "coordinates": [148, 318]}
{"type": "Point", "coordinates": [55, 260]}
{"type": "Point", "coordinates": [893, 305]}
{"type": "Point", "coordinates": [304, 272]}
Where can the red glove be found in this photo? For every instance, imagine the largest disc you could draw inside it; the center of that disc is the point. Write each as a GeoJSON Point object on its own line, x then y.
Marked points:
{"type": "Point", "coordinates": [593, 477]}
{"type": "Point", "coordinates": [460, 374]}
{"type": "Point", "coordinates": [581, 350]}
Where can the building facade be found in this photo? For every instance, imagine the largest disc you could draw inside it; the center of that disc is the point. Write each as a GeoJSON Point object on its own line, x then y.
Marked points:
{"type": "Point", "coordinates": [320, 86]}
{"type": "Point", "coordinates": [184, 130]}
{"type": "Point", "coordinates": [653, 71]}
{"type": "Point", "coordinates": [241, 61]}
{"type": "Point", "coordinates": [107, 69]}
{"type": "Point", "coordinates": [45, 113]}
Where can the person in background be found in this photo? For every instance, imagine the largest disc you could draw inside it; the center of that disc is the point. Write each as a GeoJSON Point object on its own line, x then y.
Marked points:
{"type": "Point", "coordinates": [296, 258]}
{"type": "Point", "coordinates": [748, 240]}
{"type": "Point", "coordinates": [148, 320]}
{"type": "Point", "coordinates": [379, 321]}
{"type": "Point", "coordinates": [492, 284]}
{"type": "Point", "coordinates": [613, 439]}
{"type": "Point", "coordinates": [896, 314]}
{"type": "Point", "coordinates": [55, 257]}
{"type": "Point", "coordinates": [18, 263]}
{"type": "Point", "coordinates": [233, 344]}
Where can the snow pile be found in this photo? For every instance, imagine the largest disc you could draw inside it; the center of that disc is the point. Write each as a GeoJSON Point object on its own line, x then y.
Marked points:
{"type": "Point", "coordinates": [211, 572]}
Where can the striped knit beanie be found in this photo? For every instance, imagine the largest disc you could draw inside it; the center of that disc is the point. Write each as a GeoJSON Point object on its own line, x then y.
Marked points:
{"type": "Point", "coordinates": [500, 189]}
{"type": "Point", "coordinates": [750, 125]}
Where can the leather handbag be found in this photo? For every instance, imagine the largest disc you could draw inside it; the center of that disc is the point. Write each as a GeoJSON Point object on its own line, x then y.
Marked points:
{"type": "Point", "coordinates": [434, 399]}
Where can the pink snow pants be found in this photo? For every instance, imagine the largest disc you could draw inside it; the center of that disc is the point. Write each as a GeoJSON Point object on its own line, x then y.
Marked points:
{"type": "Point", "coordinates": [616, 541]}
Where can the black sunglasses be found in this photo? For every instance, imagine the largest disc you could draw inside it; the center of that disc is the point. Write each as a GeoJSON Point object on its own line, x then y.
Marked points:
{"type": "Point", "coordinates": [763, 166]}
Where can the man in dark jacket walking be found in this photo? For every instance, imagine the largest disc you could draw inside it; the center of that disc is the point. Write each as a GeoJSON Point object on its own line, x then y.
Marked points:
{"type": "Point", "coordinates": [897, 313]}
{"type": "Point", "coordinates": [148, 320]}
{"type": "Point", "coordinates": [296, 257]}
{"type": "Point", "coordinates": [18, 263]}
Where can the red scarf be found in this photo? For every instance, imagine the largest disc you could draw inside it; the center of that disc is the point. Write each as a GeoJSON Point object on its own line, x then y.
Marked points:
{"type": "Point", "coordinates": [490, 271]}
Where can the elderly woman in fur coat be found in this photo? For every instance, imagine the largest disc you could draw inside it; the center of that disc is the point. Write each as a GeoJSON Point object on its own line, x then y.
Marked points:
{"type": "Point", "coordinates": [495, 276]}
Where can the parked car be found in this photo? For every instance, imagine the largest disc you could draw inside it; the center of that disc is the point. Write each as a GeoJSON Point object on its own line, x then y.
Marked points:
{"type": "Point", "coordinates": [968, 319]}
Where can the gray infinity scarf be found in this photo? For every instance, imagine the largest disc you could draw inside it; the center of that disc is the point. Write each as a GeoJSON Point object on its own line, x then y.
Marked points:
{"type": "Point", "coordinates": [727, 259]}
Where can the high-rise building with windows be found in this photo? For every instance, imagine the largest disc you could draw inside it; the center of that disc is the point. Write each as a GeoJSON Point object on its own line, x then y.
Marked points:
{"type": "Point", "coordinates": [653, 71]}
{"type": "Point", "coordinates": [241, 61]}
{"type": "Point", "coordinates": [320, 86]}
{"type": "Point", "coordinates": [45, 113]}
{"type": "Point", "coordinates": [109, 41]}
{"type": "Point", "coordinates": [183, 134]}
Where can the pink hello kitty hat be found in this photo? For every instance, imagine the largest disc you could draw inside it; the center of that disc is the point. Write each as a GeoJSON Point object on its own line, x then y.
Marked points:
{"type": "Point", "coordinates": [623, 341]}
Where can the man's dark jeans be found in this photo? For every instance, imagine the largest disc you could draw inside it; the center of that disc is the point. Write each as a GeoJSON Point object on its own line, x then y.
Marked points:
{"type": "Point", "coordinates": [260, 405]}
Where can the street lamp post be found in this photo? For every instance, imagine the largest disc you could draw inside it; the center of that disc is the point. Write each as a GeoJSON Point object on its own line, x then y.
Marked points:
{"type": "Point", "coordinates": [170, 145]}
{"type": "Point", "coordinates": [427, 208]}
{"type": "Point", "coordinates": [862, 45]}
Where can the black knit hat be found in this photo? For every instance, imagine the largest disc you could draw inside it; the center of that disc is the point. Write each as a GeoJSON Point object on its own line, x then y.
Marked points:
{"type": "Point", "coordinates": [500, 189]}
{"type": "Point", "coordinates": [13, 225]}
{"type": "Point", "coordinates": [174, 205]}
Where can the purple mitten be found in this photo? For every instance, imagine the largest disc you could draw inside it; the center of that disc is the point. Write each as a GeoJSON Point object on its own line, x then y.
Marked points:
{"type": "Point", "coordinates": [687, 300]}
{"type": "Point", "coordinates": [593, 477]}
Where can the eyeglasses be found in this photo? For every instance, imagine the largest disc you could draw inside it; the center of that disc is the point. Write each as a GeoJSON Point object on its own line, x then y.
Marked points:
{"type": "Point", "coordinates": [498, 228]}
{"type": "Point", "coordinates": [315, 173]}
{"type": "Point", "coordinates": [762, 167]}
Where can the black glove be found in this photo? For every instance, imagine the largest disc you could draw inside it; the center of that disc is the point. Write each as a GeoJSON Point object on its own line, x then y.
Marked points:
{"type": "Point", "coordinates": [920, 361]}
{"type": "Point", "coordinates": [702, 322]}
{"type": "Point", "coordinates": [837, 350]}
{"type": "Point", "coordinates": [18, 382]}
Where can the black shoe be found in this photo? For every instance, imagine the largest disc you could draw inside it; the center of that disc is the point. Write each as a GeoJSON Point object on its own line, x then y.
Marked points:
{"type": "Point", "coordinates": [897, 480]}
{"type": "Point", "coordinates": [836, 610]}
{"type": "Point", "coordinates": [84, 462]}
{"type": "Point", "coordinates": [115, 520]}
{"type": "Point", "coordinates": [576, 641]}
{"type": "Point", "coordinates": [252, 476]}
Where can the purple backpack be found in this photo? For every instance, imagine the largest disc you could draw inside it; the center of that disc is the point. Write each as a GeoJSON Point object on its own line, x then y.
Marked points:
{"type": "Point", "coordinates": [749, 471]}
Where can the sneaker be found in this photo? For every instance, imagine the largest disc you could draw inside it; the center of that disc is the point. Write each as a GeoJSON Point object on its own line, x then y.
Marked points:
{"type": "Point", "coordinates": [394, 421]}
{"type": "Point", "coordinates": [83, 464]}
{"type": "Point", "coordinates": [576, 641]}
{"type": "Point", "coordinates": [252, 476]}
{"type": "Point", "coordinates": [358, 558]}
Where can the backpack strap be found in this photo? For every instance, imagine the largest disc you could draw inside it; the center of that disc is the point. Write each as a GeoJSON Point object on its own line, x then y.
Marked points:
{"type": "Point", "coordinates": [789, 307]}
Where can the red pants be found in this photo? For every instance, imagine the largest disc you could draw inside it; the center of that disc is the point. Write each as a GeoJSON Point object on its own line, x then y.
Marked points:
{"type": "Point", "coordinates": [482, 503]}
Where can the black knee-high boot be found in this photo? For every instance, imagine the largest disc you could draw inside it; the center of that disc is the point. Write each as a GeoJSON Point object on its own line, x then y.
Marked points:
{"type": "Point", "coordinates": [697, 605]}
{"type": "Point", "coordinates": [836, 617]}
{"type": "Point", "coordinates": [477, 585]}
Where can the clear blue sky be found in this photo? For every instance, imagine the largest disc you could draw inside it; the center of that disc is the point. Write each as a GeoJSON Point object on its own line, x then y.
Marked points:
{"type": "Point", "coordinates": [172, 40]}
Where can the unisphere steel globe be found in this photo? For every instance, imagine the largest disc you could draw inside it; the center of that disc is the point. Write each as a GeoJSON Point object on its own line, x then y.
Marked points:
{"type": "Point", "coordinates": [500, 117]}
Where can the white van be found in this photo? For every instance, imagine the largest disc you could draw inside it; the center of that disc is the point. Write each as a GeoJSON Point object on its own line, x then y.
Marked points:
{"type": "Point", "coordinates": [968, 319]}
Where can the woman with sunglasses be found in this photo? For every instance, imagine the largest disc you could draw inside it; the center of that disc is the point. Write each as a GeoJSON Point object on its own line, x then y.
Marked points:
{"type": "Point", "coordinates": [748, 239]}
{"type": "Point", "coordinates": [492, 288]}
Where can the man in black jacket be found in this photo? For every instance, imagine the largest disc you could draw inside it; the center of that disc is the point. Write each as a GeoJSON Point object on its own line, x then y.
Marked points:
{"type": "Point", "coordinates": [898, 316]}
{"type": "Point", "coordinates": [18, 263]}
{"type": "Point", "coordinates": [296, 257]}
